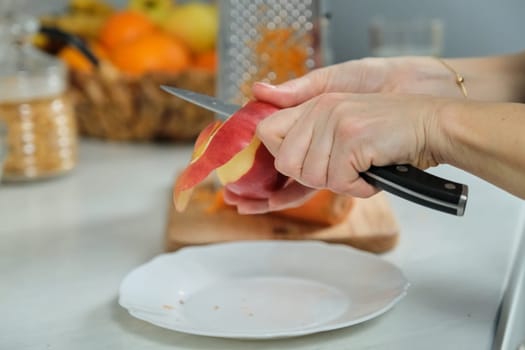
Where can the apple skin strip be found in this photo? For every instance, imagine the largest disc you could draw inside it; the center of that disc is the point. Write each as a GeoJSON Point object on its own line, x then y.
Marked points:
{"type": "Point", "coordinates": [218, 143]}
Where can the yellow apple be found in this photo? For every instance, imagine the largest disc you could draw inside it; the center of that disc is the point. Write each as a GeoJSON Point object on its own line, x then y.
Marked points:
{"type": "Point", "coordinates": [194, 23]}
{"type": "Point", "coordinates": [156, 10]}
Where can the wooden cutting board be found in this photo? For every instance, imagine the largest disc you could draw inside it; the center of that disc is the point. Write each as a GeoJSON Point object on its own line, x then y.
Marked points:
{"type": "Point", "coordinates": [370, 226]}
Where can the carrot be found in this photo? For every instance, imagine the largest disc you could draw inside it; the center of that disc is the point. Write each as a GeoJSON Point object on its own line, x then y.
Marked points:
{"type": "Point", "coordinates": [218, 203]}
{"type": "Point", "coordinates": [280, 54]}
{"type": "Point", "coordinates": [324, 208]}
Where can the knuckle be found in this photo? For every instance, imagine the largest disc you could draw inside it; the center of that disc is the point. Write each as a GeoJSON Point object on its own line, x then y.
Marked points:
{"type": "Point", "coordinates": [338, 185]}
{"type": "Point", "coordinates": [348, 128]}
{"type": "Point", "coordinates": [262, 127]}
{"type": "Point", "coordinates": [314, 180]}
{"type": "Point", "coordinates": [320, 78]}
{"type": "Point", "coordinates": [268, 126]}
{"type": "Point", "coordinates": [287, 167]}
{"type": "Point", "coordinates": [328, 100]}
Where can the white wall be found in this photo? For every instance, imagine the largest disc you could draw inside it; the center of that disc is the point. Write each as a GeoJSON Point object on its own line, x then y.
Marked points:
{"type": "Point", "coordinates": [472, 27]}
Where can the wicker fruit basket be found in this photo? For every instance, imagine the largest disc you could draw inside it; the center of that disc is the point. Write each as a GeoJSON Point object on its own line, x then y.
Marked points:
{"type": "Point", "coordinates": [114, 106]}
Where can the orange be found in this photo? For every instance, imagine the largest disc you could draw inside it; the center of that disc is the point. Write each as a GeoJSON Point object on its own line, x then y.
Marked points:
{"type": "Point", "coordinates": [153, 52]}
{"type": "Point", "coordinates": [206, 61]}
{"type": "Point", "coordinates": [124, 26]}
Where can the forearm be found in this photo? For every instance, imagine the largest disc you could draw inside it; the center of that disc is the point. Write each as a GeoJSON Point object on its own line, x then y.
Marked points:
{"type": "Point", "coordinates": [485, 139]}
{"type": "Point", "coordinates": [494, 78]}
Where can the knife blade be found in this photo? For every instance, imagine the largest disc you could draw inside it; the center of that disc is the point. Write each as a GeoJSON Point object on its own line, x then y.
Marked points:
{"type": "Point", "coordinates": [403, 180]}
{"type": "Point", "coordinates": [223, 109]}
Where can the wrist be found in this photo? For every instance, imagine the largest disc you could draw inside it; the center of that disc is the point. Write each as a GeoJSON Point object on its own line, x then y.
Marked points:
{"type": "Point", "coordinates": [443, 131]}
{"type": "Point", "coordinates": [495, 78]}
{"type": "Point", "coordinates": [459, 79]}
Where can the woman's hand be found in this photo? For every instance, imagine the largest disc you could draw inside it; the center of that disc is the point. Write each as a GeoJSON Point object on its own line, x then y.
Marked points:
{"type": "Point", "coordinates": [292, 195]}
{"type": "Point", "coordinates": [420, 75]}
{"type": "Point", "coordinates": [371, 75]}
{"type": "Point", "coordinates": [328, 140]}
{"type": "Point", "coordinates": [495, 78]}
{"type": "Point", "coordinates": [337, 121]}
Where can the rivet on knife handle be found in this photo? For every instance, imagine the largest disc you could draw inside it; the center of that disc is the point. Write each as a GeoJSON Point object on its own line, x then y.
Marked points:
{"type": "Point", "coordinates": [420, 187]}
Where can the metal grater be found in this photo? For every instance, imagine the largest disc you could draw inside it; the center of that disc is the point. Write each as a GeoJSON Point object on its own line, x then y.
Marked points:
{"type": "Point", "coordinates": [269, 40]}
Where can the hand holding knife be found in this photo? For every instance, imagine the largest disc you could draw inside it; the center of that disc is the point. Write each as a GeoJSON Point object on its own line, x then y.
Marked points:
{"type": "Point", "coordinates": [402, 180]}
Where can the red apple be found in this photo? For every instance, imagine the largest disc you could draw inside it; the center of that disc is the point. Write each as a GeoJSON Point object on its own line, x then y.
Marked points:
{"type": "Point", "coordinates": [251, 173]}
{"type": "Point", "coordinates": [243, 163]}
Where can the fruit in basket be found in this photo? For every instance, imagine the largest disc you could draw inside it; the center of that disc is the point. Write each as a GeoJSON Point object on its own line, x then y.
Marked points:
{"type": "Point", "coordinates": [156, 10]}
{"type": "Point", "coordinates": [93, 7]}
{"type": "Point", "coordinates": [153, 52]}
{"type": "Point", "coordinates": [123, 27]}
{"type": "Point", "coordinates": [77, 60]}
{"type": "Point", "coordinates": [180, 36]}
{"type": "Point", "coordinates": [83, 18]}
{"type": "Point", "coordinates": [206, 61]}
{"type": "Point", "coordinates": [244, 165]}
{"type": "Point", "coordinates": [83, 25]}
{"type": "Point", "coordinates": [195, 23]}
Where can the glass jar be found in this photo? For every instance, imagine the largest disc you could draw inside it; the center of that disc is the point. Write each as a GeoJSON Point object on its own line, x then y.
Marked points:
{"type": "Point", "coordinates": [34, 104]}
{"type": "Point", "coordinates": [3, 146]}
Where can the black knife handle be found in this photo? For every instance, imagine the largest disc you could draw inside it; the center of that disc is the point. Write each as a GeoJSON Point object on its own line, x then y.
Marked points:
{"type": "Point", "coordinates": [419, 187]}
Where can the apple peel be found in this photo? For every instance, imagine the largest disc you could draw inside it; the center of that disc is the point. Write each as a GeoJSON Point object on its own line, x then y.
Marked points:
{"type": "Point", "coordinates": [218, 144]}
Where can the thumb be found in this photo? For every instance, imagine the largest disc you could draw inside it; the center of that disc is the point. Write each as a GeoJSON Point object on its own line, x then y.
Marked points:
{"type": "Point", "coordinates": [295, 91]}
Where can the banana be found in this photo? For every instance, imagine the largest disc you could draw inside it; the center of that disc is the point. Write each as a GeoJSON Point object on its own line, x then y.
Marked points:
{"type": "Point", "coordinates": [84, 26]}
{"type": "Point", "coordinates": [83, 18]}
{"type": "Point", "coordinates": [90, 7]}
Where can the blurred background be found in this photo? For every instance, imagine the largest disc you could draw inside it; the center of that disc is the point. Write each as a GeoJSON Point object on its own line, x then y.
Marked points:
{"type": "Point", "coordinates": [471, 27]}
{"type": "Point", "coordinates": [109, 57]}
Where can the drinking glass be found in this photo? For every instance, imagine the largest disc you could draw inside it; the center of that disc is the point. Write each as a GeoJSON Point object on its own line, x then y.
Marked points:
{"type": "Point", "coordinates": [410, 37]}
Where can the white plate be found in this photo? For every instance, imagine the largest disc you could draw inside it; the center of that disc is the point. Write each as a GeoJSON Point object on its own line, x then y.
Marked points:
{"type": "Point", "coordinates": [262, 289]}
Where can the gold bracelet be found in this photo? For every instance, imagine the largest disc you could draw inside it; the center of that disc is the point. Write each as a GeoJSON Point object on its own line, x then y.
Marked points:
{"type": "Point", "coordinates": [460, 80]}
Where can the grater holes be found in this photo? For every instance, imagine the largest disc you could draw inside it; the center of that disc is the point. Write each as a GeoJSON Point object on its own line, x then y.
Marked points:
{"type": "Point", "coordinates": [310, 63]}
{"type": "Point", "coordinates": [243, 52]}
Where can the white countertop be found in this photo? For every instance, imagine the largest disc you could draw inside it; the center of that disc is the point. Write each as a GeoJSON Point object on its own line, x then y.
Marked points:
{"type": "Point", "coordinates": [67, 243]}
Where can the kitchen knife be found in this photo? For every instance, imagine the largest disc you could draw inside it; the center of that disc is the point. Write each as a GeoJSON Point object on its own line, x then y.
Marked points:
{"type": "Point", "coordinates": [403, 180]}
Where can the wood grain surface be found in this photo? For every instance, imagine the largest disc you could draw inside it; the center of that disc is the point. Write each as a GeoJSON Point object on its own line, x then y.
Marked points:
{"type": "Point", "coordinates": [371, 225]}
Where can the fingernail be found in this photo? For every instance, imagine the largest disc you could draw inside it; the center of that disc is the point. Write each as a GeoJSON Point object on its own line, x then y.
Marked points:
{"type": "Point", "coordinates": [266, 85]}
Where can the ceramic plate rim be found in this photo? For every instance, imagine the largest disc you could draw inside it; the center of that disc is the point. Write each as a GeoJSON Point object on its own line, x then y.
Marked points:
{"type": "Point", "coordinates": [147, 315]}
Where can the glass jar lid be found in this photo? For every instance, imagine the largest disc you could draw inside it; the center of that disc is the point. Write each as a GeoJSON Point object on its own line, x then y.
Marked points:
{"type": "Point", "coordinates": [26, 72]}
